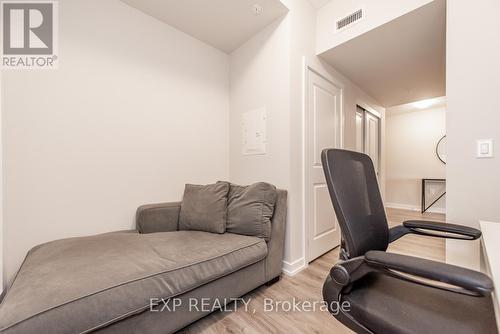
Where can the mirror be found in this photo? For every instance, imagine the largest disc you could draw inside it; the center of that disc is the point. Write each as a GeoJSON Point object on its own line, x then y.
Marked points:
{"type": "Point", "coordinates": [441, 149]}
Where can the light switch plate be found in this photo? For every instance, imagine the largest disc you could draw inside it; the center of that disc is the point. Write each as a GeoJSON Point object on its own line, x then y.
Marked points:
{"type": "Point", "coordinates": [484, 148]}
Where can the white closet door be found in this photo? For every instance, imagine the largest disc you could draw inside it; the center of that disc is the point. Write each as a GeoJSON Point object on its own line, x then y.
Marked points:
{"type": "Point", "coordinates": [372, 138]}
{"type": "Point", "coordinates": [360, 141]}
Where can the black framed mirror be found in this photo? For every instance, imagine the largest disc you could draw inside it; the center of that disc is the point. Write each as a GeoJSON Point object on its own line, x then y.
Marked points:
{"type": "Point", "coordinates": [441, 149]}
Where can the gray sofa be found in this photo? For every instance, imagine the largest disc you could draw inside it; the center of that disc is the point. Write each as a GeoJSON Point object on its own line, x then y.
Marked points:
{"type": "Point", "coordinates": [105, 283]}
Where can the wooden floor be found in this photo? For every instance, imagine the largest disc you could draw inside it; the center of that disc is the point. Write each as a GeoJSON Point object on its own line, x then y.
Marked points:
{"type": "Point", "coordinates": [306, 286]}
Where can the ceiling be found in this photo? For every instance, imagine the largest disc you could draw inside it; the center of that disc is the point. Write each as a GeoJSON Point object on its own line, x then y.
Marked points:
{"type": "Point", "coordinates": [224, 24]}
{"type": "Point", "coordinates": [438, 102]}
{"type": "Point", "coordinates": [401, 61]}
{"type": "Point", "coordinates": [319, 3]}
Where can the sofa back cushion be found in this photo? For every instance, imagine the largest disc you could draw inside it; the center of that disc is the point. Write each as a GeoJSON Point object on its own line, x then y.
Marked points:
{"type": "Point", "coordinates": [204, 208]}
{"type": "Point", "coordinates": [250, 209]}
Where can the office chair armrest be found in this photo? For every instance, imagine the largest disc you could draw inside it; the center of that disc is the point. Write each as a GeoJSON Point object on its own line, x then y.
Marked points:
{"type": "Point", "coordinates": [434, 229]}
{"type": "Point", "coordinates": [473, 282]}
{"type": "Point", "coordinates": [456, 231]}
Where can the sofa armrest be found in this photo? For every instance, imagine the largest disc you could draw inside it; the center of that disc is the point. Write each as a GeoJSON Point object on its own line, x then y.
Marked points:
{"type": "Point", "coordinates": [162, 217]}
{"type": "Point", "coordinates": [276, 245]}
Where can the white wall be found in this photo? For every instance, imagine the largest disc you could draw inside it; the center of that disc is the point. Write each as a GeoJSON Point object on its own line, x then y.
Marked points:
{"type": "Point", "coordinates": [135, 110]}
{"type": "Point", "coordinates": [377, 13]}
{"type": "Point", "coordinates": [259, 77]}
{"type": "Point", "coordinates": [269, 71]}
{"type": "Point", "coordinates": [411, 139]}
{"type": "Point", "coordinates": [473, 81]}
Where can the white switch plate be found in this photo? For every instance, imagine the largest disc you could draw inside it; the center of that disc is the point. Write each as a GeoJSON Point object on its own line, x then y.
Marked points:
{"type": "Point", "coordinates": [484, 148]}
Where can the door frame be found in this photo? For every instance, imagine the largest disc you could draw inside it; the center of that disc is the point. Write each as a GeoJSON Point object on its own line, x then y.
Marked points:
{"type": "Point", "coordinates": [305, 149]}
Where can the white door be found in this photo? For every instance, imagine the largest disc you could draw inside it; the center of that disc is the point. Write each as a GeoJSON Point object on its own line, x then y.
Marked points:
{"type": "Point", "coordinates": [372, 137]}
{"type": "Point", "coordinates": [323, 130]}
{"type": "Point", "coordinates": [360, 141]}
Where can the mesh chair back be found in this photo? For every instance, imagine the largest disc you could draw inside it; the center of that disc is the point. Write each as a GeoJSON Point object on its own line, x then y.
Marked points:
{"type": "Point", "coordinates": [355, 195]}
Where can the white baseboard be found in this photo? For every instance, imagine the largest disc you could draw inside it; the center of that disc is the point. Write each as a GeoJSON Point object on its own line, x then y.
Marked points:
{"type": "Point", "coordinates": [413, 208]}
{"type": "Point", "coordinates": [292, 268]}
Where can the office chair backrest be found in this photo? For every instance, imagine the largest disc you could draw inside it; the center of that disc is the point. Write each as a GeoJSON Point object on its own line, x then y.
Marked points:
{"type": "Point", "coordinates": [355, 195]}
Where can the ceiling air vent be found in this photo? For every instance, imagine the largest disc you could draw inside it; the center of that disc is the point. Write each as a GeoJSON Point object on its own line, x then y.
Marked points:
{"type": "Point", "coordinates": [350, 19]}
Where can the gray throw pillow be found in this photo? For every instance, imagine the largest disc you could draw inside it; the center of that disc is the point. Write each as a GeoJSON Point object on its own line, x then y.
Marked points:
{"type": "Point", "coordinates": [204, 208]}
{"type": "Point", "coordinates": [250, 209]}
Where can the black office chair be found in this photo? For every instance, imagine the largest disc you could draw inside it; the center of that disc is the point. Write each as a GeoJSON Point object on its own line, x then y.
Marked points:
{"type": "Point", "coordinates": [391, 293]}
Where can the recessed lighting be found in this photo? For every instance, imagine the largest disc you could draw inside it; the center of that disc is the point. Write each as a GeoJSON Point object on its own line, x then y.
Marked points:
{"type": "Point", "coordinates": [423, 104]}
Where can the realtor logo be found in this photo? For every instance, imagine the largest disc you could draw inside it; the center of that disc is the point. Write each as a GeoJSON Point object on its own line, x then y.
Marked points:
{"type": "Point", "coordinates": [29, 34]}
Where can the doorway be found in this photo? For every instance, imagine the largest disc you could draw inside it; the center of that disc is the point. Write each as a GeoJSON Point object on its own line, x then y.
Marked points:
{"type": "Point", "coordinates": [324, 125]}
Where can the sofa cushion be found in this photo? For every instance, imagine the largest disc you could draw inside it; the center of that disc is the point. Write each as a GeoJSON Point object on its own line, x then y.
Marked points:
{"type": "Point", "coordinates": [79, 284]}
{"type": "Point", "coordinates": [204, 208]}
{"type": "Point", "coordinates": [250, 209]}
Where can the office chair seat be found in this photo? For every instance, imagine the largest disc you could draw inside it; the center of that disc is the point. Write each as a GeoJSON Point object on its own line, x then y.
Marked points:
{"type": "Point", "coordinates": [385, 304]}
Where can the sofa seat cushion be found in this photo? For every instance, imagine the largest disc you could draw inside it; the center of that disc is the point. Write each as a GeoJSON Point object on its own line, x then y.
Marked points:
{"type": "Point", "coordinates": [79, 284]}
